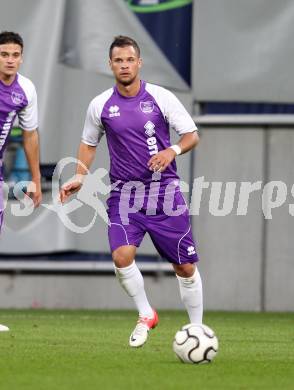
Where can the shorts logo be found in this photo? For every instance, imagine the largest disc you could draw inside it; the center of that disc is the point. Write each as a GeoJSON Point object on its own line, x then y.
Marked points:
{"type": "Point", "coordinates": [149, 127]}
{"type": "Point", "coordinates": [17, 98]}
{"type": "Point", "coordinates": [147, 107]}
{"type": "Point", "coordinates": [191, 250]}
{"type": "Point", "coordinates": [113, 111]}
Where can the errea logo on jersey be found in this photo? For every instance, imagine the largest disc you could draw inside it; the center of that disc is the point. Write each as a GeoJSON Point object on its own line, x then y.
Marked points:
{"type": "Point", "coordinates": [191, 250]}
{"type": "Point", "coordinates": [149, 126]}
{"type": "Point", "coordinates": [151, 141]}
{"type": "Point", "coordinates": [113, 111]}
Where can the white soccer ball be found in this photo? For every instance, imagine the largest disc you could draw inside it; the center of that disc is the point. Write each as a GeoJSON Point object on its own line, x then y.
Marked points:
{"type": "Point", "coordinates": [4, 328]}
{"type": "Point", "coordinates": [195, 344]}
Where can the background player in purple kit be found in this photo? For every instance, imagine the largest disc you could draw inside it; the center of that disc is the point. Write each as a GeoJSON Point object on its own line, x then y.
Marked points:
{"type": "Point", "coordinates": [136, 117]}
{"type": "Point", "coordinates": [18, 98]}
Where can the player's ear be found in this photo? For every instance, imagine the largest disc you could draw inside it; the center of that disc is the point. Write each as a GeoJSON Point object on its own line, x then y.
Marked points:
{"type": "Point", "coordinates": [140, 62]}
{"type": "Point", "coordinates": [110, 64]}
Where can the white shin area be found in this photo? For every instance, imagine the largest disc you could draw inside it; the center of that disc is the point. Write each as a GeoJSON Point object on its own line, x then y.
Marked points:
{"type": "Point", "coordinates": [191, 295]}
{"type": "Point", "coordinates": [132, 282]}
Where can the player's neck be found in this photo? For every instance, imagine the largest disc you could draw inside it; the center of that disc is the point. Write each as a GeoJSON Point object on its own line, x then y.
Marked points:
{"type": "Point", "coordinates": [7, 79]}
{"type": "Point", "coordinates": [129, 90]}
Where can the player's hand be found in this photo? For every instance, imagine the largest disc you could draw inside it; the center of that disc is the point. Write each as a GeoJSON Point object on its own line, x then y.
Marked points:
{"type": "Point", "coordinates": [69, 189]}
{"type": "Point", "coordinates": [160, 161]}
{"type": "Point", "coordinates": [34, 192]}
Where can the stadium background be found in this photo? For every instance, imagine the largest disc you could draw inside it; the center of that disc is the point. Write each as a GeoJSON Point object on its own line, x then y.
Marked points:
{"type": "Point", "coordinates": [237, 82]}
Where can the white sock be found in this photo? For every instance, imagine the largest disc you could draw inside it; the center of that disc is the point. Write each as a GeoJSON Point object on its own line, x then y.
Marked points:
{"type": "Point", "coordinates": [132, 282]}
{"type": "Point", "coordinates": [191, 294]}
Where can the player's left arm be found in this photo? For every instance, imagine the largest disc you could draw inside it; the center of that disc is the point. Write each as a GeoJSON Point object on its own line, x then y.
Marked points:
{"type": "Point", "coordinates": [181, 122]}
{"type": "Point", "coordinates": [32, 152]}
{"type": "Point", "coordinates": [160, 161]}
{"type": "Point", "coordinates": [28, 122]}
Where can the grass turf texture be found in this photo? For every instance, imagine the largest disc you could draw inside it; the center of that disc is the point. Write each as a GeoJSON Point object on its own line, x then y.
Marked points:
{"type": "Point", "coordinates": [84, 350]}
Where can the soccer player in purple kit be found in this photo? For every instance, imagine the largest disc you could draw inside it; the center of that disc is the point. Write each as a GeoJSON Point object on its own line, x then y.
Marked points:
{"type": "Point", "coordinates": [136, 117]}
{"type": "Point", "coordinates": [18, 98]}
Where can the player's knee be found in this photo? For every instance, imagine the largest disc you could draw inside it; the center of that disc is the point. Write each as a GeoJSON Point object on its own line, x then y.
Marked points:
{"type": "Point", "coordinates": [185, 270]}
{"type": "Point", "coordinates": [122, 258]}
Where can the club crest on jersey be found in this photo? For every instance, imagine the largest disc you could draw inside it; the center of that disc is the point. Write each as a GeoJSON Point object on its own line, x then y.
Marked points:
{"type": "Point", "coordinates": [147, 107]}
{"type": "Point", "coordinates": [191, 250]}
{"type": "Point", "coordinates": [113, 111]}
{"type": "Point", "coordinates": [17, 98]}
{"type": "Point", "coordinates": [149, 127]}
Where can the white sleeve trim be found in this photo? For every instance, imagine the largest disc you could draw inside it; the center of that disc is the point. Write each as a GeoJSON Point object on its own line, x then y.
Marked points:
{"type": "Point", "coordinates": [93, 127]}
{"type": "Point", "coordinates": [28, 116]}
{"type": "Point", "coordinates": [88, 143]}
{"type": "Point", "coordinates": [172, 109]}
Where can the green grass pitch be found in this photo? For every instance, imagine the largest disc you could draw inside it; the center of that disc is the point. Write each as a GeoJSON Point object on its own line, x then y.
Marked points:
{"type": "Point", "coordinates": [81, 350]}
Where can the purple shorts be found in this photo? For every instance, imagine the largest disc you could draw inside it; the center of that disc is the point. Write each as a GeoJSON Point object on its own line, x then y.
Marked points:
{"type": "Point", "coordinates": [171, 235]}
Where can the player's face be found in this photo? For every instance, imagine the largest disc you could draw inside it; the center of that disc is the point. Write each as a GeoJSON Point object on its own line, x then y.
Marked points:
{"type": "Point", "coordinates": [125, 64]}
{"type": "Point", "coordinates": [10, 59]}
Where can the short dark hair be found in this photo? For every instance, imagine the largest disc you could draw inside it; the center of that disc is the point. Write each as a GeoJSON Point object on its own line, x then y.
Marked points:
{"type": "Point", "coordinates": [123, 41]}
{"type": "Point", "coordinates": [11, 37]}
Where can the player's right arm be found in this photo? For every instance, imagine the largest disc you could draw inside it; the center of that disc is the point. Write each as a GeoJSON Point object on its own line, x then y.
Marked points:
{"type": "Point", "coordinates": [92, 133]}
{"type": "Point", "coordinates": [86, 155]}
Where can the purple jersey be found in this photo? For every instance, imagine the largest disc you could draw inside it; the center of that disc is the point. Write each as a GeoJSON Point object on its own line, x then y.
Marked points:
{"type": "Point", "coordinates": [136, 128]}
{"type": "Point", "coordinates": [20, 99]}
